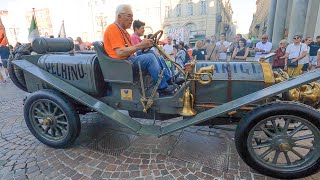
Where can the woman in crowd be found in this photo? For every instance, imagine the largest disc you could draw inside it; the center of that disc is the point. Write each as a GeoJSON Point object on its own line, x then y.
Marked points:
{"type": "Point", "coordinates": [306, 59]}
{"type": "Point", "coordinates": [295, 53]}
{"type": "Point", "coordinates": [241, 52]}
{"type": "Point", "coordinates": [279, 58]}
{"type": "Point", "coordinates": [181, 54]}
{"type": "Point", "coordinates": [199, 53]}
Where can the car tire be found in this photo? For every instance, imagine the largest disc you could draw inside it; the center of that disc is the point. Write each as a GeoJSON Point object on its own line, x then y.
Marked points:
{"type": "Point", "coordinates": [299, 113]}
{"type": "Point", "coordinates": [51, 118]}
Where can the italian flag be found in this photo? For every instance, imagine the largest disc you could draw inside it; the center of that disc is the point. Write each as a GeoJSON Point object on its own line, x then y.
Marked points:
{"type": "Point", "coordinates": [33, 31]}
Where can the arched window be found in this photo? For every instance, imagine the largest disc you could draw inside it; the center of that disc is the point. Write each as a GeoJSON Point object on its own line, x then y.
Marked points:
{"type": "Point", "coordinates": [190, 9]}
{"type": "Point", "coordinates": [203, 7]}
{"type": "Point", "coordinates": [178, 10]}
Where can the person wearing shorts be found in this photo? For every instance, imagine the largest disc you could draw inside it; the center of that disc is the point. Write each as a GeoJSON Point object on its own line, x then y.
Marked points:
{"type": "Point", "coordinates": [314, 47]}
{"type": "Point", "coordinates": [306, 59]}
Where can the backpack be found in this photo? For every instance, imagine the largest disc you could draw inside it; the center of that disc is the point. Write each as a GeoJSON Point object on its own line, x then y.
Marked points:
{"type": "Point", "coordinates": [187, 58]}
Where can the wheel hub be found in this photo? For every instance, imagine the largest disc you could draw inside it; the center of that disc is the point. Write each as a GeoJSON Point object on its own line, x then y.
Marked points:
{"type": "Point", "coordinates": [284, 147]}
{"type": "Point", "coordinates": [283, 144]}
{"type": "Point", "coordinates": [48, 121]}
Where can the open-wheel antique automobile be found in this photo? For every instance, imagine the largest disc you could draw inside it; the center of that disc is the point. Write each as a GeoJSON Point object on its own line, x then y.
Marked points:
{"type": "Point", "coordinates": [275, 137]}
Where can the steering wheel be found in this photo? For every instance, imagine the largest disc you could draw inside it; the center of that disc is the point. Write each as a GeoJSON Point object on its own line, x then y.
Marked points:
{"type": "Point", "coordinates": [155, 37]}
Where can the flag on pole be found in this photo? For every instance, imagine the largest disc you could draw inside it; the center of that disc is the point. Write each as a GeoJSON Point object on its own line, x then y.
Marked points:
{"type": "Point", "coordinates": [3, 37]}
{"type": "Point", "coordinates": [33, 31]}
{"type": "Point", "coordinates": [62, 32]}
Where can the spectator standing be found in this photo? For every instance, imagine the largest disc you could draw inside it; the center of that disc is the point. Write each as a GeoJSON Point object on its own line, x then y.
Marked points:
{"type": "Point", "coordinates": [82, 46]}
{"type": "Point", "coordinates": [263, 47]}
{"type": "Point", "coordinates": [168, 48]}
{"type": "Point", "coordinates": [241, 52]}
{"type": "Point", "coordinates": [2, 81]}
{"type": "Point", "coordinates": [235, 43]}
{"type": "Point", "coordinates": [279, 58]}
{"type": "Point", "coordinates": [199, 53]}
{"type": "Point", "coordinates": [314, 47]}
{"type": "Point", "coordinates": [181, 54]}
{"type": "Point", "coordinates": [4, 54]}
{"type": "Point", "coordinates": [222, 46]}
{"type": "Point", "coordinates": [306, 59]}
{"type": "Point", "coordinates": [213, 39]}
{"type": "Point", "coordinates": [138, 28]}
{"type": "Point", "coordinates": [295, 52]}
{"type": "Point", "coordinates": [211, 49]}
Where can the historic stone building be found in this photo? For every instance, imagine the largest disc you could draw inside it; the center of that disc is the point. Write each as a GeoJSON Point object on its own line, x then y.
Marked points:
{"type": "Point", "coordinates": [260, 18]}
{"type": "Point", "coordinates": [192, 20]}
{"type": "Point", "coordinates": [286, 18]}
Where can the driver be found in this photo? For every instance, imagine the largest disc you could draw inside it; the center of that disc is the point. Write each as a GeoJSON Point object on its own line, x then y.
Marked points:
{"type": "Point", "coordinates": [118, 45]}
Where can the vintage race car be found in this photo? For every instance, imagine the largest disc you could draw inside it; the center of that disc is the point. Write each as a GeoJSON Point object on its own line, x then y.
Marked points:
{"type": "Point", "coordinates": [275, 137]}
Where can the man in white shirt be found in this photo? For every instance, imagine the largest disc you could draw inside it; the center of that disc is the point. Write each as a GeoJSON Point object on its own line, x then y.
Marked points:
{"type": "Point", "coordinates": [262, 48]}
{"type": "Point", "coordinates": [222, 47]}
{"type": "Point", "coordinates": [168, 48]}
{"type": "Point", "coordinates": [295, 52]}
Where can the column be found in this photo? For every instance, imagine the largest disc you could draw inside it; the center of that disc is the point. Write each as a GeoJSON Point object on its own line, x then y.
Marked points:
{"type": "Point", "coordinates": [298, 18]}
{"type": "Point", "coordinates": [317, 29]}
{"type": "Point", "coordinates": [272, 12]}
{"type": "Point", "coordinates": [289, 9]}
{"type": "Point", "coordinates": [279, 22]}
{"type": "Point", "coordinates": [311, 19]}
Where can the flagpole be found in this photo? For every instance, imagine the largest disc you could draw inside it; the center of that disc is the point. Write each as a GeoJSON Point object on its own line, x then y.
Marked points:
{"type": "Point", "coordinates": [34, 15]}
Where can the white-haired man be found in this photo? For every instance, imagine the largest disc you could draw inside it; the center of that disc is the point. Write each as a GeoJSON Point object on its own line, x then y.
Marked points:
{"type": "Point", "coordinates": [118, 45]}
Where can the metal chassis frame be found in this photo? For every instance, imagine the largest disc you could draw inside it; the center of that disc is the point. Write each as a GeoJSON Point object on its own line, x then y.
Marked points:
{"type": "Point", "coordinates": [143, 129]}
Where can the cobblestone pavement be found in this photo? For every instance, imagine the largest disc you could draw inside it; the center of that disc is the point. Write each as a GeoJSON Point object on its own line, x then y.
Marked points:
{"type": "Point", "coordinates": [109, 151]}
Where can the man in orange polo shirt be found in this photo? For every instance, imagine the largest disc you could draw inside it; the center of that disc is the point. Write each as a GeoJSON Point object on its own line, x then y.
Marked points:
{"type": "Point", "coordinates": [118, 45]}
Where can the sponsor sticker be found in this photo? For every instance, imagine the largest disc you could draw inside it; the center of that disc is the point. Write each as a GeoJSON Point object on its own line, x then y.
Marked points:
{"type": "Point", "coordinates": [126, 94]}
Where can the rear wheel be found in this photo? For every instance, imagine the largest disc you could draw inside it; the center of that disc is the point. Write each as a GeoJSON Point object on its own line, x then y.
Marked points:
{"type": "Point", "coordinates": [281, 140]}
{"type": "Point", "coordinates": [51, 118]}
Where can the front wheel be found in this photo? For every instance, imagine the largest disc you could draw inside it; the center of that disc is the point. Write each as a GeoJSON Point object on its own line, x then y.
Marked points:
{"type": "Point", "coordinates": [281, 140]}
{"type": "Point", "coordinates": [51, 118]}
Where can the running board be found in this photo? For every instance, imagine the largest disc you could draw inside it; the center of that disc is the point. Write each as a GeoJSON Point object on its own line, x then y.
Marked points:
{"type": "Point", "coordinates": [243, 101]}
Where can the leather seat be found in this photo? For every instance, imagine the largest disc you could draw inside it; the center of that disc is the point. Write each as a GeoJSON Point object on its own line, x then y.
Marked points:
{"type": "Point", "coordinates": [113, 70]}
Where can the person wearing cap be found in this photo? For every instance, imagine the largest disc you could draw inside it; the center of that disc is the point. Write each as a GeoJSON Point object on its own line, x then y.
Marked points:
{"type": "Point", "coordinates": [295, 52]}
{"type": "Point", "coordinates": [262, 48]}
{"type": "Point", "coordinates": [314, 47]}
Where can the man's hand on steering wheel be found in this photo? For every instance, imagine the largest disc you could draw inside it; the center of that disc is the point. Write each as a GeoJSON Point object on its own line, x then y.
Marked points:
{"type": "Point", "coordinates": [155, 39]}
{"type": "Point", "coordinates": [146, 43]}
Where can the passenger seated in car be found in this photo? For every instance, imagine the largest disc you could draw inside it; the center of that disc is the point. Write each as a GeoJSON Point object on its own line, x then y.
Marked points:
{"type": "Point", "coordinates": [118, 45]}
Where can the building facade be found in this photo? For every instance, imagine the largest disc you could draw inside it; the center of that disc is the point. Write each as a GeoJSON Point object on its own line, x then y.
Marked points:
{"type": "Point", "coordinates": [192, 20]}
{"type": "Point", "coordinates": [287, 18]}
{"type": "Point", "coordinates": [260, 19]}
